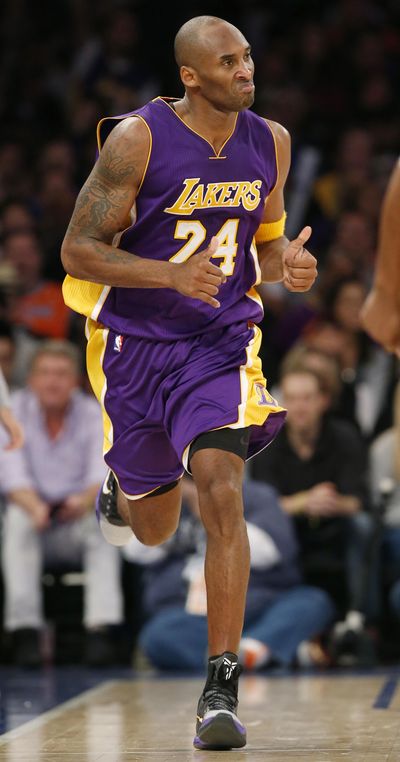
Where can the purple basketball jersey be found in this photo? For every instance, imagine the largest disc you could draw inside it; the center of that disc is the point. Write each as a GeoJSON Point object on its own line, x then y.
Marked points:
{"type": "Point", "coordinates": [189, 194]}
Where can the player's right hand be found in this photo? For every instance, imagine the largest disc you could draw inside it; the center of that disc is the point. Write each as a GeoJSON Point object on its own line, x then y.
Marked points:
{"type": "Point", "coordinates": [198, 278]}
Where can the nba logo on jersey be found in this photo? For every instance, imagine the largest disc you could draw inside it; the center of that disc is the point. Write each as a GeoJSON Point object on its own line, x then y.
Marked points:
{"type": "Point", "coordinates": [118, 341]}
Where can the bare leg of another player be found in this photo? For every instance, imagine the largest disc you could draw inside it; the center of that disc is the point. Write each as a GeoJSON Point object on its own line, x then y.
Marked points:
{"type": "Point", "coordinates": [381, 312]}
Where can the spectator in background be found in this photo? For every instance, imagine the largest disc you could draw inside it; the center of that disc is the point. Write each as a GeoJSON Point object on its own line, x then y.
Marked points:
{"type": "Point", "coordinates": [56, 200]}
{"type": "Point", "coordinates": [282, 615]}
{"type": "Point", "coordinates": [50, 488]}
{"type": "Point", "coordinates": [351, 252]}
{"type": "Point", "coordinates": [325, 365]}
{"type": "Point", "coordinates": [335, 190]}
{"type": "Point", "coordinates": [16, 217]}
{"type": "Point", "coordinates": [110, 68]}
{"type": "Point", "coordinates": [318, 466]}
{"type": "Point", "coordinates": [17, 348]}
{"type": "Point", "coordinates": [15, 178]}
{"type": "Point", "coordinates": [38, 305]}
{"type": "Point", "coordinates": [367, 371]}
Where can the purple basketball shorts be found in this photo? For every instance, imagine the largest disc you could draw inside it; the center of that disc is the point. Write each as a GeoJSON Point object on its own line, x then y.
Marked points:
{"type": "Point", "coordinates": [157, 397]}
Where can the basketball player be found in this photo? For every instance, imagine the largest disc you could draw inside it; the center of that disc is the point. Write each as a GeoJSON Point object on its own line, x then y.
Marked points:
{"type": "Point", "coordinates": [381, 311]}
{"type": "Point", "coordinates": [161, 249]}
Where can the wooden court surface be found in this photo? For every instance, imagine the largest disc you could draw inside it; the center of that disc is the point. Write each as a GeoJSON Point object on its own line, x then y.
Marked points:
{"type": "Point", "coordinates": [309, 718]}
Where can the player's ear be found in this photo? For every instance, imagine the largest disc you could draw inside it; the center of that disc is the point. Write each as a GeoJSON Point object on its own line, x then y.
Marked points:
{"type": "Point", "coordinates": [188, 76]}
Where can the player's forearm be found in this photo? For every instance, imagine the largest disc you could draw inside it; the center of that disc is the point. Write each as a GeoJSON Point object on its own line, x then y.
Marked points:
{"type": "Point", "coordinates": [270, 259]}
{"type": "Point", "coordinates": [93, 260]}
{"type": "Point", "coordinates": [387, 271]}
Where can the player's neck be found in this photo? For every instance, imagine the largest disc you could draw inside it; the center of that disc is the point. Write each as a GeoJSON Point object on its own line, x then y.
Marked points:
{"type": "Point", "coordinates": [212, 124]}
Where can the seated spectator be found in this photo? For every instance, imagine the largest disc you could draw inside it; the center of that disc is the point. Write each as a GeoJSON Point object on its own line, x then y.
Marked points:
{"type": "Point", "coordinates": [16, 217]}
{"type": "Point", "coordinates": [282, 615]}
{"type": "Point", "coordinates": [38, 306]}
{"type": "Point", "coordinates": [50, 487]}
{"type": "Point", "coordinates": [367, 371]}
{"type": "Point", "coordinates": [17, 348]}
{"type": "Point", "coordinates": [351, 254]}
{"type": "Point", "coordinates": [324, 364]}
{"type": "Point", "coordinates": [318, 466]}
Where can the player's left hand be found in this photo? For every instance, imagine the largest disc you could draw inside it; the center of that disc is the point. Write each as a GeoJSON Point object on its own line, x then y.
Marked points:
{"type": "Point", "coordinates": [299, 266]}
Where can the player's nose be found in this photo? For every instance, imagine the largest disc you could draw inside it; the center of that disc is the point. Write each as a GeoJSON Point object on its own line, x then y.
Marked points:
{"type": "Point", "coordinates": [245, 71]}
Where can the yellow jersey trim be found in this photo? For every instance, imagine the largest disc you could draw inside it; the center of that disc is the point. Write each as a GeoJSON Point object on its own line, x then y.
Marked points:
{"type": "Point", "coordinates": [276, 156]}
{"type": "Point", "coordinates": [217, 154]}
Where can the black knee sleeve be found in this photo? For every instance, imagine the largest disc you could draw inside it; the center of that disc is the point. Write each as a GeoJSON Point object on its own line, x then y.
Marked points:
{"type": "Point", "coordinates": [230, 440]}
{"type": "Point", "coordinates": [164, 488]}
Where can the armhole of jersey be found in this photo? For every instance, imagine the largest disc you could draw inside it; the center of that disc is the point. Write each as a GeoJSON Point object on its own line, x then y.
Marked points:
{"type": "Point", "coordinates": [137, 116]}
{"type": "Point", "coordinates": [118, 119]}
{"type": "Point", "coordinates": [276, 156]}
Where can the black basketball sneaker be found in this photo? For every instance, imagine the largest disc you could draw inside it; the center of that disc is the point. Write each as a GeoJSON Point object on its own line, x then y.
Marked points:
{"type": "Point", "coordinates": [217, 725]}
{"type": "Point", "coordinates": [113, 527]}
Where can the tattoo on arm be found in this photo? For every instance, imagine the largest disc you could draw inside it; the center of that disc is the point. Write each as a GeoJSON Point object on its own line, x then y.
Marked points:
{"type": "Point", "coordinates": [103, 206]}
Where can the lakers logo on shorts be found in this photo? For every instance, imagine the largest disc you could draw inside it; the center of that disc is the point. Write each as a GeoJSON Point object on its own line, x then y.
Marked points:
{"type": "Point", "coordinates": [265, 398]}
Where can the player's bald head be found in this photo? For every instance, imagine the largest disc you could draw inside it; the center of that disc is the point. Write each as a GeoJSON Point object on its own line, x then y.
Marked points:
{"type": "Point", "coordinates": [195, 37]}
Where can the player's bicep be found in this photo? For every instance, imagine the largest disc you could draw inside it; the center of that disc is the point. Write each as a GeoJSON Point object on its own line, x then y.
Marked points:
{"type": "Point", "coordinates": [105, 201]}
{"type": "Point", "coordinates": [274, 207]}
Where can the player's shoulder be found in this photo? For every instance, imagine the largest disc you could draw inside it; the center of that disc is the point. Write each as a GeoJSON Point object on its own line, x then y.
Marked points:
{"type": "Point", "coordinates": [127, 132]}
{"type": "Point", "coordinates": [280, 133]}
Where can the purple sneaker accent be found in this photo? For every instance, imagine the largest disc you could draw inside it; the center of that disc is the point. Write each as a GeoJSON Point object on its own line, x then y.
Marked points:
{"type": "Point", "coordinates": [198, 744]}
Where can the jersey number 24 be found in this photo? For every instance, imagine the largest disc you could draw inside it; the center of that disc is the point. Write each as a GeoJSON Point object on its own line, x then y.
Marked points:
{"type": "Point", "coordinates": [194, 233]}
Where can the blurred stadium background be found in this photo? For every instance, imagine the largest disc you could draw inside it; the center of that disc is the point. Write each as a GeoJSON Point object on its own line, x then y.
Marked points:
{"type": "Point", "coordinates": [328, 71]}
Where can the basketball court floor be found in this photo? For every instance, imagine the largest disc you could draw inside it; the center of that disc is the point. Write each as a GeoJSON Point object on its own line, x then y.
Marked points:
{"type": "Point", "coordinates": [124, 717]}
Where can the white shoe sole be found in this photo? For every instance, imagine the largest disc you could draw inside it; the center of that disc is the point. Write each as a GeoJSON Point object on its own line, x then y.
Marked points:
{"type": "Point", "coordinates": [114, 535]}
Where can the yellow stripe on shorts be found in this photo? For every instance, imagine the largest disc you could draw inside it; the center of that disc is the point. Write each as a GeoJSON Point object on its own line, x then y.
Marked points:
{"type": "Point", "coordinates": [97, 340]}
{"type": "Point", "coordinates": [254, 408]}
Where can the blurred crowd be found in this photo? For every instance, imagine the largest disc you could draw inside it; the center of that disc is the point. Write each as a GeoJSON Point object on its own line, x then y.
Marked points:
{"type": "Point", "coordinates": [329, 72]}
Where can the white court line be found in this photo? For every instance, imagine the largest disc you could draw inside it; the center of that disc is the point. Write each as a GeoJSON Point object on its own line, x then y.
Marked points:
{"type": "Point", "coordinates": [51, 714]}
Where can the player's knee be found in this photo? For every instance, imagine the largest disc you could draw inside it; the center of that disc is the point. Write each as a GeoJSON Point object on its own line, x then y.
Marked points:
{"type": "Point", "coordinates": [154, 535]}
{"type": "Point", "coordinates": [221, 506]}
